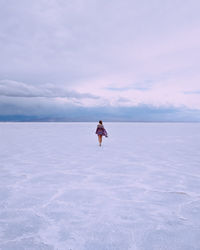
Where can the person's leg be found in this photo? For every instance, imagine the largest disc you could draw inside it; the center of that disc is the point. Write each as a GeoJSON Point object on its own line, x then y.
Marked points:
{"type": "Point", "coordinates": [100, 139]}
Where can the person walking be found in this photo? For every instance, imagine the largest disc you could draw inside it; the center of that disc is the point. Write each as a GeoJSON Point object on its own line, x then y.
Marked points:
{"type": "Point", "coordinates": [101, 131]}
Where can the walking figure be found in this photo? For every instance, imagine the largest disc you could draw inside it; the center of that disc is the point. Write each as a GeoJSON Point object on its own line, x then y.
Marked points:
{"type": "Point", "coordinates": [101, 131]}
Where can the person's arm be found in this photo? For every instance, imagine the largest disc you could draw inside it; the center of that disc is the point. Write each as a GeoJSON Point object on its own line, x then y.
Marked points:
{"type": "Point", "coordinates": [105, 132]}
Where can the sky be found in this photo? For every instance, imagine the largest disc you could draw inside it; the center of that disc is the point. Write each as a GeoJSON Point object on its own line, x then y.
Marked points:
{"type": "Point", "coordinates": [85, 60]}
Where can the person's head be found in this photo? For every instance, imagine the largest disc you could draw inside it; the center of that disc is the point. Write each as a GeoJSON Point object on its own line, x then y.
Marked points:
{"type": "Point", "coordinates": [100, 122]}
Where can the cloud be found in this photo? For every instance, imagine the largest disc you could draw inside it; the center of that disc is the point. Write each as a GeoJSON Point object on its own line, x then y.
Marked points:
{"type": "Point", "coordinates": [18, 89]}
{"type": "Point", "coordinates": [67, 41]}
{"type": "Point", "coordinates": [18, 98]}
{"type": "Point", "coordinates": [141, 113]}
{"type": "Point", "coordinates": [26, 102]}
{"type": "Point", "coordinates": [192, 92]}
{"type": "Point", "coordinates": [99, 54]}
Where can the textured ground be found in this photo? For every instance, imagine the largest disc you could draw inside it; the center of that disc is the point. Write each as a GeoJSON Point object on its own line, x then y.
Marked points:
{"type": "Point", "coordinates": [60, 190]}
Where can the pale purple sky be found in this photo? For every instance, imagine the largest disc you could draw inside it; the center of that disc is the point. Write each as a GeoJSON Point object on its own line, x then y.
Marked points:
{"type": "Point", "coordinates": [99, 53]}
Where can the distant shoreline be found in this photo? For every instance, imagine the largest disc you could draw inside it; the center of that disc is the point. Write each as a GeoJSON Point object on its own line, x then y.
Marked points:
{"type": "Point", "coordinates": [97, 121]}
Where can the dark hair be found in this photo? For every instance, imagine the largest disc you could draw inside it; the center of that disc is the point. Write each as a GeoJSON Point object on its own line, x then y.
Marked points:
{"type": "Point", "coordinates": [100, 122]}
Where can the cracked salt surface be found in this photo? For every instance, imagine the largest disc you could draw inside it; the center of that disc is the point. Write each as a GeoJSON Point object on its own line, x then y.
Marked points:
{"type": "Point", "coordinates": [139, 191]}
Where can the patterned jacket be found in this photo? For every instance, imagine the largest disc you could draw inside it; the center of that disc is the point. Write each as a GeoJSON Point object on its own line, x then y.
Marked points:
{"type": "Point", "coordinates": [101, 130]}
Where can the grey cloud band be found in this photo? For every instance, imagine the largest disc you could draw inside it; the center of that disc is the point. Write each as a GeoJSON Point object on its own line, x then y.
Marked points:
{"type": "Point", "coordinates": [18, 89]}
